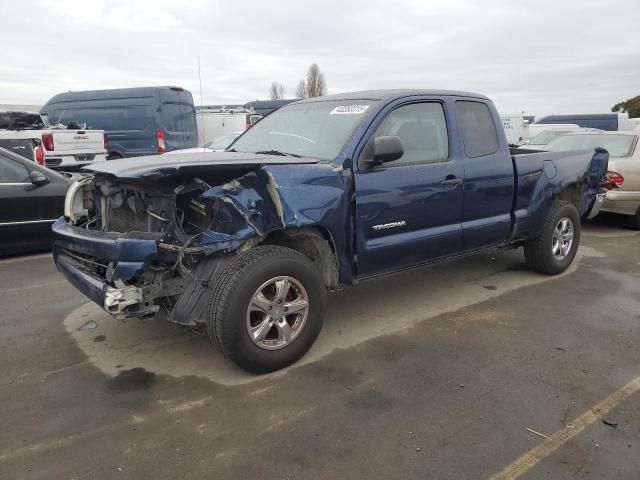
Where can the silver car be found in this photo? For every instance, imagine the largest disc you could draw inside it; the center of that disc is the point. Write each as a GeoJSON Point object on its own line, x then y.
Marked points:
{"type": "Point", "coordinates": [624, 159]}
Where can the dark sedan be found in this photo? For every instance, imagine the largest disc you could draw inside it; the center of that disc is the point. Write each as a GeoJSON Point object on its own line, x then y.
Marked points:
{"type": "Point", "coordinates": [31, 199]}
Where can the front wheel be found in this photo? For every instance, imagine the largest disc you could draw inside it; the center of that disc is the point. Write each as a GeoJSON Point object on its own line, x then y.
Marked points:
{"type": "Point", "coordinates": [553, 251]}
{"type": "Point", "coordinates": [267, 308]}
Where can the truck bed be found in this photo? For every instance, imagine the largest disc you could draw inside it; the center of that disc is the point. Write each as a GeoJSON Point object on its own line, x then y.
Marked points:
{"type": "Point", "coordinates": [541, 176]}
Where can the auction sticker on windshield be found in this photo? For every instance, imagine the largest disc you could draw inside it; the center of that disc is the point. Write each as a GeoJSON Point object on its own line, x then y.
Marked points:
{"type": "Point", "coordinates": [349, 110]}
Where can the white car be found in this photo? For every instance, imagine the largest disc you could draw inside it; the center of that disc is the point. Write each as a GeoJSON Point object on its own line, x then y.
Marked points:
{"type": "Point", "coordinates": [624, 167]}
{"type": "Point", "coordinates": [542, 139]}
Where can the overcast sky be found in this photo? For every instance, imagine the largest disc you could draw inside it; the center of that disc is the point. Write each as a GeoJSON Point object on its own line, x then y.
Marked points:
{"type": "Point", "coordinates": [560, 56]}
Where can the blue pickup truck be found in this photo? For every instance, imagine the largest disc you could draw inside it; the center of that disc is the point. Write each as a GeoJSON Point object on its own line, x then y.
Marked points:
{"type": "Point", "coordinates": [324, 192]}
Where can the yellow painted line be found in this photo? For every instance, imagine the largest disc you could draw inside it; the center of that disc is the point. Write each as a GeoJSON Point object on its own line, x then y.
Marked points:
{"type": "Point", "coordinates": [530, 459]}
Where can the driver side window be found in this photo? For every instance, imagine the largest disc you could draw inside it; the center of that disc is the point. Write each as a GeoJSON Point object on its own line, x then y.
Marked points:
{"type": "Point", "coordinates": [422, 129]}
{"type": "Point", "coordinates": [13, 172]}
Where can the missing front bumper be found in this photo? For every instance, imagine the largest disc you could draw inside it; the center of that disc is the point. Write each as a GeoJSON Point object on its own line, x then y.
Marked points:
{"type": "Point", "coordinates": [117, 299]}
{"type": "Point", "coordinates": [122, 301]}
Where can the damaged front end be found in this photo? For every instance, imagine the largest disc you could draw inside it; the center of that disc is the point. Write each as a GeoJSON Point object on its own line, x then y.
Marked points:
{"type": "Point", "coordinates": [139, 245]}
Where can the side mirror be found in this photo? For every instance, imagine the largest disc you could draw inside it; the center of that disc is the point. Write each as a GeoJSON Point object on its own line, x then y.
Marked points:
{"type": "Point", "coordinates": [384, 149]}
{"type": "Point", "coordinates": [387, 149]}
{"type": "Point", "coordinates": [38, 178]}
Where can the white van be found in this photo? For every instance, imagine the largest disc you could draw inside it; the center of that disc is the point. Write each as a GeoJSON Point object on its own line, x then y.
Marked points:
{"type": "Point", "coordinates": [215, 123]}
{"type": "Point", "coordinates": [514, 127]}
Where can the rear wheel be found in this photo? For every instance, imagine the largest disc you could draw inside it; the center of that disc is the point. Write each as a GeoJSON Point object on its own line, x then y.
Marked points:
{"type": "Point", "coordinates": [554, 250]}
{"type": "Point", "coordinates": [267, 308]}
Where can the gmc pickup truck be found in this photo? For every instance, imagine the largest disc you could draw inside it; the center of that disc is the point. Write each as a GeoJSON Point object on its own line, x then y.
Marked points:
{"type": "Point", "coordinates": [324, 192]}
{"type": "Point", "coordinates": [56, 147]}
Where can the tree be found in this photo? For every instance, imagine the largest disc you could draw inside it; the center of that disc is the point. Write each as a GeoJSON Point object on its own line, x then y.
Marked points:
{"type": "Point", "coordinates": [631, 106]}
{"type": "Point", "coordinates": [277, 91]}
{"type": "Point", "coordinates": [301, 90]}
{"type": "Point", "coordinates": [314, 85]}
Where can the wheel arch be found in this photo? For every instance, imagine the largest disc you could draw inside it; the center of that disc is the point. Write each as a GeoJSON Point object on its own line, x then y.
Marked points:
{"type": "Point", "coordinates": [571, 193]}
{"type": "Point", "coordinates": [316, 244]}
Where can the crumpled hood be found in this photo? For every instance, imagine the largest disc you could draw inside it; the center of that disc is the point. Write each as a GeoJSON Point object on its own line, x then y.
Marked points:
{"type": "Point", "coordinates": [158, 166]}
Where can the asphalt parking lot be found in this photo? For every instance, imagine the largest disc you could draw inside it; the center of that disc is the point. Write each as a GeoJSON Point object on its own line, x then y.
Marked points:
{"type": "Point", "coordinates": [473, 369]}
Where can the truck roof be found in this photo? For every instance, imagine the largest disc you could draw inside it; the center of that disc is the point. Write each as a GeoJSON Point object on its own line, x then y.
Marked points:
{"type": "Point", "coordinates": [391, 94]}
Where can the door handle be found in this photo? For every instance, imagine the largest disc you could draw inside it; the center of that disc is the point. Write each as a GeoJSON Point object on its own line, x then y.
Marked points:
{"type": "Point", "coordinates": [451, 181]}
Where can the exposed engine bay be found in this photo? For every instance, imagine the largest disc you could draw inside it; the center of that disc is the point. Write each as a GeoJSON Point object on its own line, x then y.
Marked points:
{"type": "Point", "coordinates": [176, 212]}
{"type": "Point", "coordinates": [191, 222]}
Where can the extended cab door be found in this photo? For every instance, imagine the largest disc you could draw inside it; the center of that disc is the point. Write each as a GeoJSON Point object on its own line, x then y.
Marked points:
{"type": "Point", "coordinates": [489, 176]}
{"type": "Point", "coordinates": [409, 211]}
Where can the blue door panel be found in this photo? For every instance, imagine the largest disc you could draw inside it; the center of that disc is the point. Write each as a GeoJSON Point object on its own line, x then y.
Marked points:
{"type": "Point", "coordinates": [488, 183]}
{"type": "Point", "coordinates": [416, 246]}
{"type": "Point", "coordinates": [405, 215]}
{"type": "Point", "coordinates": [485, 232]}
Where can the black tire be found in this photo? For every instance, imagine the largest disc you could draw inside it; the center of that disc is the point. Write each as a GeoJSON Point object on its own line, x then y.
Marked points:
{"type": "Point", "coordinates": [233, 291]}
{"type": "Point", "coordinates": [538, 251]}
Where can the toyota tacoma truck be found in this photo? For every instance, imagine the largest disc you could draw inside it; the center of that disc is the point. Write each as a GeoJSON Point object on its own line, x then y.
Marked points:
{"type": "Point", "coordinates": [322, 193]}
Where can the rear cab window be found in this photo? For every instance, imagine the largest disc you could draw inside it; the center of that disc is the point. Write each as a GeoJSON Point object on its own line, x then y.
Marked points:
{"type": "Point", "coordinates": [478, 130]}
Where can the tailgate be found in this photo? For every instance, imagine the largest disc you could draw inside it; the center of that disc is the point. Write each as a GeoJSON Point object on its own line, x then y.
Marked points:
{"type": "Point", "coordinates": [78, 141]}
{"type": "Point", "coordinates": [23, 147]}
{"type": "Point", "coordinates": [597, 177]}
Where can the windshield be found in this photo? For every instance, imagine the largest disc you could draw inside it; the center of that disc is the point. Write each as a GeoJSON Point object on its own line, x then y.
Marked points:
{"type": "Point", "coordinates": [315, 129]}
{"type": "Point", "coordinates": [616, 145]}
{"type": "Point", "coordinates": [548, 135]}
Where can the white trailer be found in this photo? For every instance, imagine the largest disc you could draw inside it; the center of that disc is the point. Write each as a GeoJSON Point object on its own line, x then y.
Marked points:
{"type": "Point", "coordinates": [216, 123]}
{"type": "Point", "coordinates": [514, 127]}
